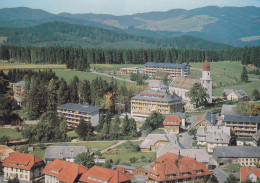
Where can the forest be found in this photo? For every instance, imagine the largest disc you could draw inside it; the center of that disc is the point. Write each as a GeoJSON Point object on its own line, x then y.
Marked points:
{"type": "Point", "coordinates": [81, 58]}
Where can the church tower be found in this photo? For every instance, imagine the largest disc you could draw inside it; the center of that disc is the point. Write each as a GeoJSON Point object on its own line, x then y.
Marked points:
{"type": "Point", "coordinates": [206, 80]}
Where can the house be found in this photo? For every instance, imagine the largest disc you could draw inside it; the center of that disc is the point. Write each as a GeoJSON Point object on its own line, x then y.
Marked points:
{"type": "Point", "coordinates": [176, 168]}
{"type": "Point", "coordinates": [67, 153]}
{"type": "Point", "coordinates": [60, 171]}
{"type": "Point", "coordinates": [130, 169]}
{"type": "Point", "coordinates": [206, 119]}
{"type": "Point", "coordinates": [172, 124]}
{"type": "Point", "coordinates": [244, 155]}
{"type": "Point", "coordinates": [124, 172]}
{"type": "Point", "coordinates": [256, 137]}
{"type": "Point", "coordinates": [154, 141]}
{"type": "Point", "coordinates": [244, 126]}
{"type": "Point", "coordinates": [99, 174]}
{"type": "Point", "coordinates": [134, 70]}
{"type": "Point", "coordinates": [5, 152]}
{"type": "Point", "coordinates": [220, 175]}
{"type": "Point", "coordinates": [18, 89]}
{"type": "Point", "coordinates": [173, 69]}
{"type": "Point", "coordinates": [161, 75]}
{"type": "Point", "coordinates": [28, 167]}
{"type": "Point", "coordinates": [252, 174]}
{"type": "Point", "coordinates": [74, 112]}
{"type": "Point", "coordinates": [143, 104]}
{"type": "Point", "coordinates": [182, 85]}
{"type": "Point", "coordinates": [235, 95]}
{"type": "Point", "coordinates": [143, 170]}
{"type": "Point", "coordinates": [157, 85]}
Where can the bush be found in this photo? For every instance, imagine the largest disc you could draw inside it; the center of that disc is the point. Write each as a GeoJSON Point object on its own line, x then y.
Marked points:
{"type": "Point", "coordinates": [132, 160]}
{"type": "Point", "coordinates": [4, 139]}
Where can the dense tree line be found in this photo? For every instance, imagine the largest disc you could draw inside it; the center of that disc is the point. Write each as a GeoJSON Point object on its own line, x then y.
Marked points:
{"type": "Point", "coordinates": [80, 58]}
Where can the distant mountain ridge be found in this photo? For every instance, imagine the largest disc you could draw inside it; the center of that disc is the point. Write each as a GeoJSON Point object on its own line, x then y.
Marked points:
{"type": "Point", "coordinates": [238, 26]}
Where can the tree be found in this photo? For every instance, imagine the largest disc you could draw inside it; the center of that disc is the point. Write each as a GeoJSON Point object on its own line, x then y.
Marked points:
{"type": "Point", "coordinates": [13, 180]}
{"type": "Point", "coordinates": [133, 127]}
{"type": "Point", "coordinates": [115, 125]}
{"type": "Point", "coordinates": [84, 129]}
{"type": "Point", "coordinates": [4, 139]}
{"type": "Point", "coordinates": [242, 108]}
{"type": "Point", "coordinates": [52, 96]}
{"type": "Point", "coordinates": [233, 139]}
{"type": "Point", "coordinates": [153, 121]}
{"type": "Point", "coordinates": [248, 181]}
{"type": "Point", "coordinates": [125, 126]}
{"type": "Point", "coordinates": [85, 159]}
{"type": "Point", "coordinates": [105, 130]}
{"type": "Point", "coordinates": [231, 179]}
{"type": "Point", "coordinates": [198, 95]}
{"type": "Point", "coordinates": [63, 94]}
{"type": "Point", "coordinates": [255, 95]}
{"type": "Point", "coordinates": [254, 110]}
{"type": "Point", "coordinates": [244, 76]}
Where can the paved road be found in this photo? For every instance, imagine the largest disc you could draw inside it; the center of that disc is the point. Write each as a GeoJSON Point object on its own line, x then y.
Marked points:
{"type": "Point", "coordinates": [123, 79]}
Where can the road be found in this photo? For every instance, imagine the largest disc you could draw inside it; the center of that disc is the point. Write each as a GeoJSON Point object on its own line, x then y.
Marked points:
{"type": "Point", "coordinates": [122, 79]}
{"type": "Point", "coordinates": [113, 146]}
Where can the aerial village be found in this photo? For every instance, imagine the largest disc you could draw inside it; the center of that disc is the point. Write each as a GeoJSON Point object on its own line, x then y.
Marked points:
{"type": "Point", "coordinates": [188, 147]}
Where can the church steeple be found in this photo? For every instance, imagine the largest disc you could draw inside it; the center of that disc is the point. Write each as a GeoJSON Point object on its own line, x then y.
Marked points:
{"type": "Point", "coordinates": [206, 79]}
{"type": "Point", "coordinates": [206, 66]}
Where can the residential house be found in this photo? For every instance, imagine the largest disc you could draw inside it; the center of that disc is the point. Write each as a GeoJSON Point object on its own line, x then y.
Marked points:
{"type": "Point", "coordinates": [5, 152]}
{"type": "Point", "coordinates": [60, 171]}
{"type": "Point", "coordinates": [63, 152]}
{"type": "Point", "coordinates": [173, 69]}
{"type": "Point", "coordinates": [252, 174]}
{"type": "Point", "coordinates": [130, 169]}
{"type": "Point", "coordinates": [18, 89]}
{"type": "Point", "coordinates": [99, 174]}
{"type": "Point", "coordinates": [235, 95]}
{"type": "Point", "coordinates": [143, 104]}
{"type": "Point", "coordinates": [244, 126]}
{"type": "Point", "coordinates": [244, 155]}
{"type": "Point", "coordinates": [206, 119]}
{"type": "Point", "coordinates": [154, 141]}
{"type": "Point", "coordinates": [172, 124]}
{"type": "Point", "coordinates": [74, 112]}
{"type": "Point", "coordinates": [27, 167]}
{"type": "Point", "coordinates": [176, 168]}
{"type": "Point", "coordinates": [143, 170]}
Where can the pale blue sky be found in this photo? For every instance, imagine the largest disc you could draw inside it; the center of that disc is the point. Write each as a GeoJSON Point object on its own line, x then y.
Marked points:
{"type": "Point", "coordinates": [120, 7]}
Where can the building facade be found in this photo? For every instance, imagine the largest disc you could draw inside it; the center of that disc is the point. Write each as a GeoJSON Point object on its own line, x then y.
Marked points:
{"type": "Point", "coordinates": [172, 124]}
{"type": "Point", "coordinates": [27, 167]}
{"type": "Point", "coordinates": [206, 119]}
{"type": "Point", "coordinates": [74, 112]}
{"type": "Point", "coordinates": [143, 104]}
{"type": "Point", "coordinates": [134, 70]}
{"type": "Point", "coordinates": [18, 89]}
{"type": "Point", "coordinates": [235, 95]}
{"type": "Point", "coordinates": [173, 69]}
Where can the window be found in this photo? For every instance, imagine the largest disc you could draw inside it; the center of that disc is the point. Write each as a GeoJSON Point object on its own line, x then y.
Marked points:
{"type": "Point", "coordinates": [21, 175]}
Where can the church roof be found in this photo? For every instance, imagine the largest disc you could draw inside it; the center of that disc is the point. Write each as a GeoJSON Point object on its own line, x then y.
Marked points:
{"type": "Point", "coordinates": [206, 66]}
{"type": "Point", "coordinates": [184, 82]}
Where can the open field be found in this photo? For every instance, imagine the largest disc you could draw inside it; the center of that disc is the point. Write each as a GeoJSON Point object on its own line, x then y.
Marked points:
{"type": "Point", "coordinates": [113, 67]}
{"type": "Point", "coordinates": [12, 133]}
{"type": "Point", "coordinates": [227, 74]}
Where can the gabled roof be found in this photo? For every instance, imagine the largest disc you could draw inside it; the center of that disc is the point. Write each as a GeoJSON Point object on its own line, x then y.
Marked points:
{"type": "Point", "coordinates": [256, 136]}
{"type": "Point", "coordinates": [245, 172]}
{"type": "Point", "coordinates": [238, 118]}
{"type": "Point", "coordinates": [173, 167]}
{"type": "Point", "coordinates": [62, 152]}
{"type": "Point", "coordinates": [21, 161]}
{"type": "Point", "coordinates": [103, 174]}
{"type": "Point", "coordinates": [172, 120]}
{"type": "Point", "coordinates": [218, 138]}
{"type": "Point", "coordinates": [220, 174]}
{"type": "Point", "coordinates": [165, 65]}
{"type": "Point", "coordinates": [124, 172]}
{"type": "Point", "coordinates": [5, 152]}
{"type": "Point", "coordinates": [203, 131]}
{"type": "Point", "coordinates": [156, 84]}
{"type": "Point", "coordinates": [184, 82]}
{"type": "Point", "coordinates": [239, 93]}
{"type": "Point", "coordinates": [79, 107]}
{"type": "Point", "coordinates": [65, 171]}
{"type": "Point", "coordinates": [236, 152]}
{"type": "Point", "coordinates": [208, 117]}
{"type": "Point", "coordinates": [152, 139]}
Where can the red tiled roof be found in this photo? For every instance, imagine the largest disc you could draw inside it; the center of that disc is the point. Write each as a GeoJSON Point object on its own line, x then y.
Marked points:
{"type": "Point", "coordinates": [21, 161]}
{"type": "Point", "coordinates": [206, 66]}
{"type": "Point", "coordinates": [64, 171]}
{"type": "Point", "coordinates": [96, 173]}
{"type": "Point", "coordinates": [151, 94]}
{"type": "Point", "coordinates": [201, 117]}
{"type": "Point", "coordinates": [124, 172]}
{"type": "Point", "coordinates": [245, 172]}
{"type": "Point", "coordinates": [172, 120]}
{"type": "Point", "coordinates": [172, 164]}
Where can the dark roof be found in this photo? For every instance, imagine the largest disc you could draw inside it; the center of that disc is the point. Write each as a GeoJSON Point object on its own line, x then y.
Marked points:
{"type": "Point", "coordinates": [170, 65]}
{"type": "Point", "coordinates": [237, 152]}
{"type": "Point", "coordinates": [20, 84]}
{"type": "Point", "coordinates": [220, 174]}
{"type": "Point", "coordinates": [79, 107]}
{"type": "Point", "coordinates": [238, 118]}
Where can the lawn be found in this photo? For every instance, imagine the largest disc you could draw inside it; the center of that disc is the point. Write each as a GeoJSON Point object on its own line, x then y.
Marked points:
{"type": "Point", "coordinates": [235, 167]}
{"type": "Point", "coordinates": [12, 133]}
{"type": "Point", "coordinates": [158, 131]}
{"type": "Point", "coordinates": [72, 134]}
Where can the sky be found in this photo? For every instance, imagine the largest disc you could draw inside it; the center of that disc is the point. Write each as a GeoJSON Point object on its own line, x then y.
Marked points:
{"type": "Point", "coordinates": [121, 7]}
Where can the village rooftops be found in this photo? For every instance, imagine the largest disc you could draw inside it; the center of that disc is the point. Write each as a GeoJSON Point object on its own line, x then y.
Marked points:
{"type": "Point", "coordinates": [158, 96]}
{"type": "Point", "coordinates": [5, 152]}
{"type": "Point", "coordinates": [86, 108]}
{"type": "Point", "coordinates": [220, 174]}
{"type": "Point", "coordinates": [172, 120]}
{"type": "Point", "coordinates": [184, 82]}
{"type": "Point", "coordinates": [239, 93]}
{"type": "Point", "coordinates": [236, 152]}
{"type": "Point", "coordinates": [238, 118]}
{"type": "Point", "coordinates": [203, 131]}
{"type": "Point", "coordinates": [63, 152]}
{"type": "Point", "coordinates": [165, 65]}
{"type": "Point", "coordinates": [218, 138]}
{"type": "Point", "coordinates": [152, 139]}
{"type": "Point", "coordinates": [19, 84]}
{"type": "Point", "coordinates": [208, 117]}
{"type": "Point", "coordinates": [246, 172]}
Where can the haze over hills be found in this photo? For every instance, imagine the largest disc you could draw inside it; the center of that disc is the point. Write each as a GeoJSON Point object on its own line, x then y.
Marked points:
{"type": "Point", "coordinates": [238, 26]}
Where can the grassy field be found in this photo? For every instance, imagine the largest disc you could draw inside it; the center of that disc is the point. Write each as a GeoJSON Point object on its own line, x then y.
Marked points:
{"type": "Point", "coordinates": [235, 167]}
{"type": "Point", "coordinates": [12, 133]}
{"type": "Point", "coordinates": [113, 67]}
{"type": "Point", "coordinates": [227, 74]}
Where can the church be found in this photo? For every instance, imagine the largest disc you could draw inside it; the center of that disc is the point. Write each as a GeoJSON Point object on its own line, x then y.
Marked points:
{"type": "Point", "coordinates": [182, 85]}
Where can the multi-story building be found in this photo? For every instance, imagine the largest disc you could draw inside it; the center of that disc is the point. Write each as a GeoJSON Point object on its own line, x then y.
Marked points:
{"type": "Point", "coordinates": [176, 168]}
{"type": "Point", "coordinates": [74, 112]}
{"type": "Point", "coordinates": [26, 167]}
{"type": "Point", "coordinates": [18, 89]}
{"type": "Point", "coordinates": [128, 70]}
{"type": "Point", "coordinates": [60, 171]}
{"type": "Point", "coordinates": [143, 104]}
{"type": "Point", "coordinates": [244, 126]}
{"type": "Point", "coordinates": [173, 69]}
{"type": "Point", "coordinates": [172, 124]}
{"type": "Point", "coordinates": [244, 155]}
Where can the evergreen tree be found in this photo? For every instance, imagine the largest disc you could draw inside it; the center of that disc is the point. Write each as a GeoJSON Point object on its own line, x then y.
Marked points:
{"type": "Point", "coordinates": [231, 179]}
{"type": "Point", "coordinates": [126, 126]}
{"type": "Point", "coordinates": [115, 125]}
{"type": "Point", "coordinates": [133, 127]}
{"type": "Point", "coordinates": [153, 121]}
{"type": "Point", "coordinates": [73, 88]}
{"type": "Point", "coordinates": [84, 92]}
{"type": "Point", "coordinates": [52, 96]}
{"type": "Point", "coordinates": [63, 95]}
{"type": "Point", "coordinates": [105, 130]}
{"type": "Point", "coordinates": [84, 129]}
{"type": "Point", "coordinates": [244, 76]}
{"type": "Point", "coordinates": [255, 95]}
{"type": "Point", "coordinates": [198, 95]}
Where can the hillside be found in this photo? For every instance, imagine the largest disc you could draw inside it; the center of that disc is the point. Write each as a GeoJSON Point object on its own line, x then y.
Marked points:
{"type": "Point", "coordinates": [65, 34]}
{"type": "Point", "coordinates": [237, 26]}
